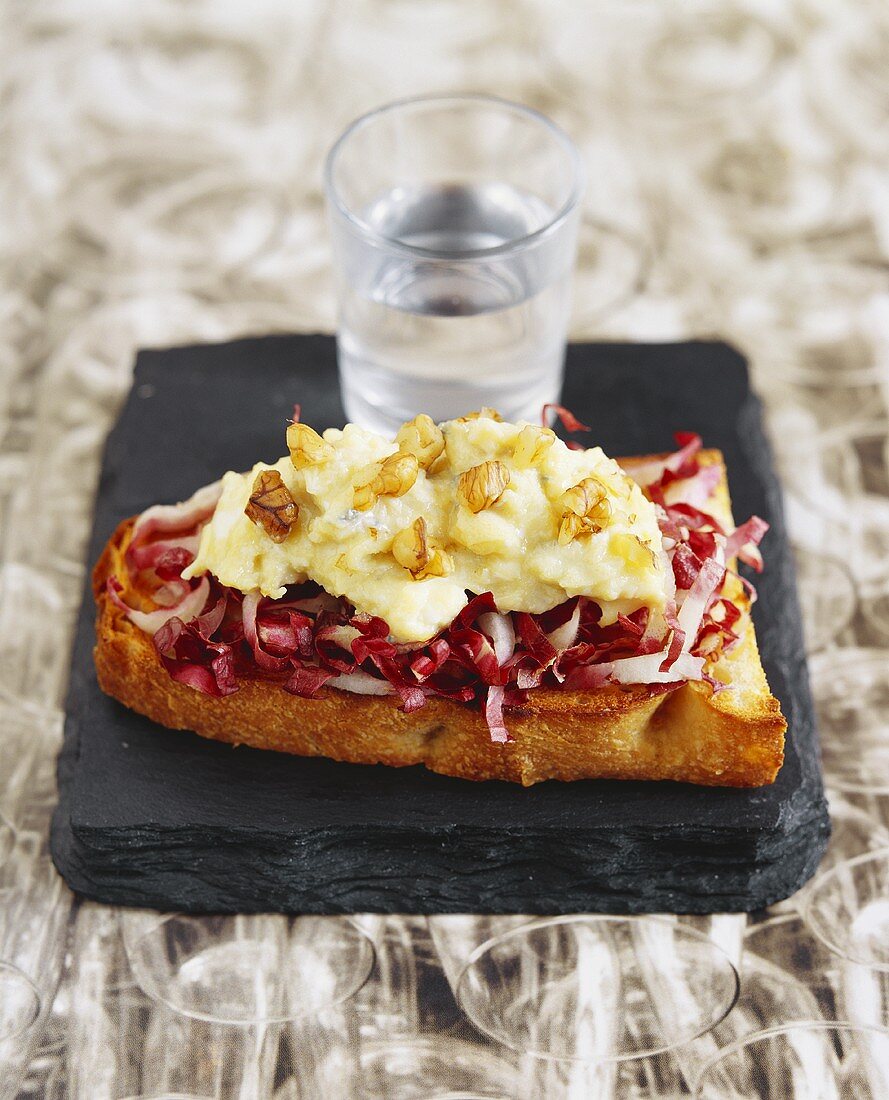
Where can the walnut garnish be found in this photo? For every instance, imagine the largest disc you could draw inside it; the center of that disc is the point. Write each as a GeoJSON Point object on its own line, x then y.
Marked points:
{"type": "Point", "coordinates": [271, 506]}
{"type": "Point", "coordinates": [585, 510]}
{"type": "Point", "coordinates": [420, 554]}
{"type": "Point", "coordinates": [393, 477]}
{"type": "Point", "coordinates": [531, 445]}
{"type": "Point", "coordinates": [483, 485]}
{"type": "Point", "coordinates": [307, 448]}
{"type": "Point", "coordinates": [484, 413]}
{"type": "Point", "coordinates": [423, 438]}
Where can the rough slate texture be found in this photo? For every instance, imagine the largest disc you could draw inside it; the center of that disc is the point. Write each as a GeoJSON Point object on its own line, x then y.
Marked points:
{"type": "Point", "coordinates": [153, 817]}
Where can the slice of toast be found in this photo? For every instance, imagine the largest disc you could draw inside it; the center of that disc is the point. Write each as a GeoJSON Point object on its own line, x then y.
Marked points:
{"type": "Point", "coordinates": [732, 738]}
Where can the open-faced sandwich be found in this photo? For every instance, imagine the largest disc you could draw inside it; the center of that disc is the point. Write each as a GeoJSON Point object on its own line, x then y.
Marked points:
{"type": "Point", "coordinates": [475, 596]}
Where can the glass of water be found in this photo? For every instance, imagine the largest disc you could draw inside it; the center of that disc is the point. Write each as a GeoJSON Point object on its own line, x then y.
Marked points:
{"type": "Point", "coordinates": [454, 224]}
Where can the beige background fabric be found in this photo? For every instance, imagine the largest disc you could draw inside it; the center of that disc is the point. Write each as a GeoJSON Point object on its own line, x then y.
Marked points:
{"type": "Point", "coordinates": [160, 182]}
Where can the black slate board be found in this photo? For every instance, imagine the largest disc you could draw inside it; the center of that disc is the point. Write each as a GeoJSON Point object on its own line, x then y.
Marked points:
{"type": "Point", "coordinates": [151, 817]}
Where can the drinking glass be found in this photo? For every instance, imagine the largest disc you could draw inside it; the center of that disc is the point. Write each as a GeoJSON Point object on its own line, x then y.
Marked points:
{"type": "Point", "coordinates": [851, 691]}
{"type": "Point", "coordinates": [19, 1002]}
{"type": "Point", "coordinates": [801, 1061]}
{"type": "Point", "coordinates": [454, 223]}
{"type": "Point", "coordinates": [847, 908]}
{"type": "Point", "coordinates": [245, 1002]}
{"type": "Point", "coordinates": [793, 955]}
{"type": "Point", "coordinates": [443, 1067]}
{"type": "Point", "coordinates": [595, 990]}
{"type": "Point", "coordinates": [415, 1043]}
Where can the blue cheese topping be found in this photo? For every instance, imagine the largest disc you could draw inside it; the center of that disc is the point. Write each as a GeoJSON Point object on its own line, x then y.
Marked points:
{"type": "Point", "coordinates": [405, 528]}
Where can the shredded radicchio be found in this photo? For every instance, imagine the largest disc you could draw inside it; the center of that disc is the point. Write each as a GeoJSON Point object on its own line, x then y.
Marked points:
{"type": "Point", "coordinates": [212, 637]}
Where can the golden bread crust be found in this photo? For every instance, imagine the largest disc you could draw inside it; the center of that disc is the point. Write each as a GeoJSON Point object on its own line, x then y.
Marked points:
{"type": "Point", "coordinates": [733, 738]}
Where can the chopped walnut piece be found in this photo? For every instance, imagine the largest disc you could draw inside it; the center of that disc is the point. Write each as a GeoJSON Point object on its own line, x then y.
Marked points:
{"type": "Point", "coordinates": [423, 438]}
{"type": "Point", "coordinates": [364, 497]}
{"type": "Point", "coordinates": [440, 564]}
{"type": "Point", "coordinates": [271, 506]}
{"type": "Point", "coordinates": [483, 485]}
{"type": "Point", "coordinates": [484, 413]}
{"type": "Point", "coordinates": [410, 547]}
{"type": "Point", "coordinates": [307, 448]}
{"type": "Point", "coordinates": [585, 510]}
{"type": "Point", "coordinates": [420, 554]}
{"type": "Point", "coordinates": [393, 477]}
{"type": "Point", "coordinates": [531, 445]}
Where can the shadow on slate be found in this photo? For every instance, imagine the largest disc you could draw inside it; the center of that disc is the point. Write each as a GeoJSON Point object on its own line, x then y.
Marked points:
{"type": "Point", "coordinates": [153, 817]}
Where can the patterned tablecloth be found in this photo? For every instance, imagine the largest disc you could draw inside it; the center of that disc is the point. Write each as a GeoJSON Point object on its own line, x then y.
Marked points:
{"type": "Point", "coordinates": [160, 177]}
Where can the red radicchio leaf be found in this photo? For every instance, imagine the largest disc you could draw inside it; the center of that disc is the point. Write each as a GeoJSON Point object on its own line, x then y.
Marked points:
{"type": "Point", "coordinates": [148, 555]}
{"type": "Point", "coordinates": [478, 605]}
{"type": "Point", "coordinates": [287, 633]}
{"type": "Point", "coordinates": [717, 685]}
{"type": "Point", "coordinates": [515, 697]}
{"type": "Point", "coordinates": [191, 659]}
{"type": "Point", "coordinates": [556, 617]}
{"type": "Point", "coordinates": [372, 640]}
{"type": "Point", "coordinates": [654, 476]}
{"type": "Point", "coordinates": [527, 678]}
{"type": "Point", "coordinates": [362, 648]}
{"type": "Point", "coordinates": [413, 697]}
{"type": "Point", "coordinates": [189, 605]}
{"type": "Point", "coordinates": [177, 517]}
{"type": "Point", "coordinates": [333, 646]}
{"type": "Point", "coordinates": [569, 421]}
{"type": "Point", "coordinates": [534, 639]}
{"type": "Point", "coordinates": [426, 664]}
{"type": "Point", "coordinates": [653, 637]}
{"type": "Point", "coordinates": [695, 489]}
{"type": "Point", "coordinates": [207, 624]}
{"type": "Point", "coordinates": [195, 676]}
{"type": "Point", "coordinates": [588, 677]}
{"type": "Point", "coordinates": [703, 544]}
{"type": "Point", "coordinates": [249, 612]}
{"type": "Point", "coordinates": [677, 638]}
{"type": "Point", "coordinates": [744, 540]}
{"type": "Point", "coordinates": [447, 689]}
{"type": "Point", "coordinates": [223, 667]}
{"type": "Point", "coordinates": [170, 564]}
{"type": "Point", "coordinates": [686, 565]}
{"type": "Point", "coordinates": [494, 715]}
{"type": "Point", "coordinates": [472, 648]}
{"type": "Point", "coordinates": [306, 682]}
{"type": "Point", "coordinates": [694, 605]}
{"type": "Point", "coordinates": [685, 515]}
{"type": "Point", "coordinates": [631, 625]}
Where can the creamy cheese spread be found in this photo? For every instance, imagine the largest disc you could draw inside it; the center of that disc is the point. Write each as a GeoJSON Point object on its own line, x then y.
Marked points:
{"type": "Point", "coordinates": [531, 547]}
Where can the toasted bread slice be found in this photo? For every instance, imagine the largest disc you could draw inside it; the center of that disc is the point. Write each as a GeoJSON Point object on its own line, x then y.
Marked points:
{"type": "Point", "coordinates": [732, 738]}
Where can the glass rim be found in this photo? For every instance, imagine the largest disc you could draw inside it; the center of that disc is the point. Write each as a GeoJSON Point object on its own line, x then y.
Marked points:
{"type": "Point", "coordinates": [527, 240]}
{"type": "Point", "coordinates": [156, 994]}
{"type": "Point", "coordinates": [816, 927]}
{"type": "Point", "coordinates": [782, 1029]}
{"type": "Point", "coordinates": [592, 918]}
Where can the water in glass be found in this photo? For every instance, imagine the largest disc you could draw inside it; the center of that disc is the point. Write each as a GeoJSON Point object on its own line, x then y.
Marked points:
{"type": "Point", "coordinates": [446, 336]}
